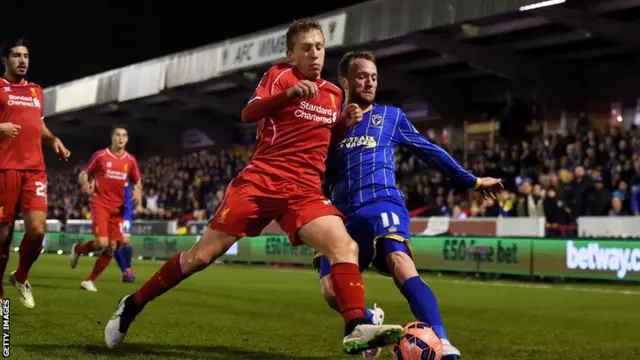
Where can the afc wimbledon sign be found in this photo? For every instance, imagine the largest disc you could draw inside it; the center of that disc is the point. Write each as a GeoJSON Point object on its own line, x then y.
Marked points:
{"type": "Point", "coordinates": [270, 47]}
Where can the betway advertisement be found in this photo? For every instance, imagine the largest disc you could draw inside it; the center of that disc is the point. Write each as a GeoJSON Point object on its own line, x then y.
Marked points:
{"type": "Point", "coordinates": [591, 259]}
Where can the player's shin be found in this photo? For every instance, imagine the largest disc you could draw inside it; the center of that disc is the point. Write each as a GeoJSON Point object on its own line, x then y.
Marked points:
{"type": "Point", "coordinates": [421, 298]}
{"type": "Point", "coordinates": [30, 249]}
{"type": "Point", "coordinates": [330, 297]}
{"type": "Point", "coordinates": [120, 257]}
{"type": "Point", "coordinates": [101, 263]}
{"type": "Point", "coordinates": [128, 255]}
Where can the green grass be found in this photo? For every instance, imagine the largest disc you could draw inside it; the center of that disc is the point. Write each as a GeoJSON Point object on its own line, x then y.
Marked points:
{"type": "Point", "coordinates": [242, 312]}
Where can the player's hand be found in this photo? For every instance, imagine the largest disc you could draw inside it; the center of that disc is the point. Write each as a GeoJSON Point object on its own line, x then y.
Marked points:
{"type": "Point", "coordinates": [303, 89]}
{"type": "Point", "coordinates": [351, 115]}
{"type": "Point", "coordinates": [9, 129]}
{"type": "Point", "coordinates": [61, 150]}
{"type": "Point", "coordinates": [490, 187]}
{"type": "Point", "coordinates": [90, 188]}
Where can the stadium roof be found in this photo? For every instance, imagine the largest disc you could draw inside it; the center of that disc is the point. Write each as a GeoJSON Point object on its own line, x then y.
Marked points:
{"type": "Point", "coordinates": [456, 59]}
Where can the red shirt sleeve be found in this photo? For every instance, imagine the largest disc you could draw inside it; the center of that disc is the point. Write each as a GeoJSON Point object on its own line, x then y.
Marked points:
{"type": "Point", "coordinates": [94, 164]}
{"type": "Point", "coordinates": [270, 95]}
{"type": "Point", "coordinates": [134, 171]}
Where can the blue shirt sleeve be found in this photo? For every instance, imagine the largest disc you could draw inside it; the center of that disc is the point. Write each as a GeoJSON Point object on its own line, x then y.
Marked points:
{"type": "Point", "coordinates": [433, 155]}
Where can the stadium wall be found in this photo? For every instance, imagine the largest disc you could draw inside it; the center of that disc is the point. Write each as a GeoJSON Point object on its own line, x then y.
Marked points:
{"type": "Point", "coordinates": [595, 259]}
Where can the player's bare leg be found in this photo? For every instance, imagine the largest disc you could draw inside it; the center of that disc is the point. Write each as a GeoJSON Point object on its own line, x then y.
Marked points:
{"type": "Point", "coordinates": [420, 297]}
{"type": "Point", "coordinates": [328, 235]}
{"type": "Point", "coordinates": [6, 233]}
{"type": "Point", "coordinates": [30, 249]}
{"type": "Point", "coordinates": [211, 246]}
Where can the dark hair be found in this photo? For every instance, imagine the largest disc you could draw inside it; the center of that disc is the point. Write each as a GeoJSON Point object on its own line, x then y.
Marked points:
{"type": "Point", "coordinates": [345, 62]}
{"type": "Point", "coordinates": [300, 27]}
{"type": "Point", "coordinates": [118, 126]}
{"type": "Point", "coordinates": [6, 47]}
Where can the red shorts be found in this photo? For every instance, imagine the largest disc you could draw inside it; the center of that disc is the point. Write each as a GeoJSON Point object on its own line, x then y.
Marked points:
{"type": "Point", "coordinates": [255, 198]}
{"type": "Point", "coordinates": [107, 222]}
{"type": "Point", "coordinates": [22, 191]}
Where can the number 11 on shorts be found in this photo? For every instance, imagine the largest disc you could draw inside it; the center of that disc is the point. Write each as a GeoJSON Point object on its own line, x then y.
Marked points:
{"type": "Point", "coordinates": [386, 216]}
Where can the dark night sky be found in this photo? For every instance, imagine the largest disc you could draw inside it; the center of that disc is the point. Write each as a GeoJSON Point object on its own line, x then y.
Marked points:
{"type": "Point", "coordinates": [79, 38]}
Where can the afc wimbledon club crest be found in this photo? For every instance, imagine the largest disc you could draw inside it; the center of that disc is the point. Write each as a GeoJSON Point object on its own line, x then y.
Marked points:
{"type": "Point", "coordinates": [376, 120]}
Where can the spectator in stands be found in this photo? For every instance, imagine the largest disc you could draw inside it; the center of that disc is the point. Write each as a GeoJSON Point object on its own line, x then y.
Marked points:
{"type": "Point", "coordinates": [598, 199]}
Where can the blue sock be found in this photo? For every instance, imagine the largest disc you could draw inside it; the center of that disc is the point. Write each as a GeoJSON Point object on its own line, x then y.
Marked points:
{"type": "Point", "coordinates": [128, 251]}
{"type": "Point", "coordinates": [424, 304]}
{"type": "Point", "coordinates": [119, 255]}
{"type": "Point", "coordinates": [369, 315]}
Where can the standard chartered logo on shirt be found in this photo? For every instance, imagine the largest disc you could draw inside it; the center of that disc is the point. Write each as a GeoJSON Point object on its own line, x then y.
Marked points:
{"type": "Point", "coordinates": [594, 257]}
{"type": "Point", "coordinates": [317, 113]}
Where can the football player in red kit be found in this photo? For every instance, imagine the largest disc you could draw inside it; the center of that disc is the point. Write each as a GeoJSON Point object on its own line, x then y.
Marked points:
{"type": "Point", "coordinates": [110, 169]}
{"type": "Point", "coordinates": [297, 114]}
{"type": "Point", "coordinates": [23, 180]}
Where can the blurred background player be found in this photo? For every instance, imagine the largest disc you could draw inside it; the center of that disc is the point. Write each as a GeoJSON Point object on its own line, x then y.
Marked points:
{"type": "Point", "coordinates": [362, 184]}
{"type": "Point", "coordinates": [23, 177]}
{"type": "Point", "coordinates": [110, 168]}
{"type": "Point", "coordinates": [124, 253]}
{"type": "Point", "coordinates": [297, 114]}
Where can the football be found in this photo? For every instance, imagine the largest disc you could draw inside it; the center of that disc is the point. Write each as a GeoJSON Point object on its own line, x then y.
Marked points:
{"type": "Point", "coordinates": [419, 342]}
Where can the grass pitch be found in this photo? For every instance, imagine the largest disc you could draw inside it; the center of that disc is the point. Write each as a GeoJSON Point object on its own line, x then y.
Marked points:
{"type": "Point", "coordinates": [260, 313]}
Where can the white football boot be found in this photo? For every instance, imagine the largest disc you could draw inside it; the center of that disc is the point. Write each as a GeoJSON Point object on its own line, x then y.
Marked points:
{"type": "Point", "coordinates": [378, 319]}
{"type": "Point", "coordinates": [88, 285]}
{"type": "Point", "coordinates": [73, 257]}
{"type": "Point", "coordinates": [118, 325]}
{"type": "Point", "coordinates": [368, 336]}
{"type": "Point", "coordinates": [449, 352]}
{"type": "Point", "coordinates": [26, 298]}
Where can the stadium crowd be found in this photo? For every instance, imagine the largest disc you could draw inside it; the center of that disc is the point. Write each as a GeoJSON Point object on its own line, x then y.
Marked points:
{"type": "Point", "coordinates": [559, 177]}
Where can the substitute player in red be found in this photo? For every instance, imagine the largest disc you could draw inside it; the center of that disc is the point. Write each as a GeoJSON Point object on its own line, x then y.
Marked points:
{"type": "Point", "coordinates": [110, 169]}
{"type": "Point", "coordinates": [297, 113]}
{"type": "Point", "coordinates": [23, 180]}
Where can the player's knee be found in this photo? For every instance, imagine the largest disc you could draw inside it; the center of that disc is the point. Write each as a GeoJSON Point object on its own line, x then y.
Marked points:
{"type": "Point", "coordinates": [211, 246]}
{"type": "Point", "coordinates": [344, 251]}
{"type": "Point", "coordinates": [402, 266]}
{"type": "Point", "coordinates": [101, 243]}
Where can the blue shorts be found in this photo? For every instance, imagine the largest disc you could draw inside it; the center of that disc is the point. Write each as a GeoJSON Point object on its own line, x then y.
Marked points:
{"type": "Point", "coordinates": [379, 228]}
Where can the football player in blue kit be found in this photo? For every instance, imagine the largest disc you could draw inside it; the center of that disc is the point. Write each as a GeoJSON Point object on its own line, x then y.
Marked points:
{"type": "Point", "coordinates": [361, 182]}
{"type": "Point", "coordinates": [124, 254]}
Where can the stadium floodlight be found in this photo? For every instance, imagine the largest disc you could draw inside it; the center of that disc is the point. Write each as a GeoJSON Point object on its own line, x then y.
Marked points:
{"type": "Point", "coordinates": [541, 4]}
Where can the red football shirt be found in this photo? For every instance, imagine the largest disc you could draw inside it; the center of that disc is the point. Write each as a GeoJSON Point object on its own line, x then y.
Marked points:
{"type": "Point", "coordinates": [22, 104]}
{"type": "Point", "coordinates": [111, 172]}
{"type": "Point", "coordinates": [294, 143]}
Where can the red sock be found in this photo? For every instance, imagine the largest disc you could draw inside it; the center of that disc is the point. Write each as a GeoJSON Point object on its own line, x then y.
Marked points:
{"type": "Point", "coordinates": [169, 275]}
{"type": "Point", "coordinates": [349, 289]}
{"type": "Point", "coordinates": [85, 248]}
{"type": "Point", "coordinates": [29, 252]}
{"type": "Point", "coordinates": [101, 263]}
